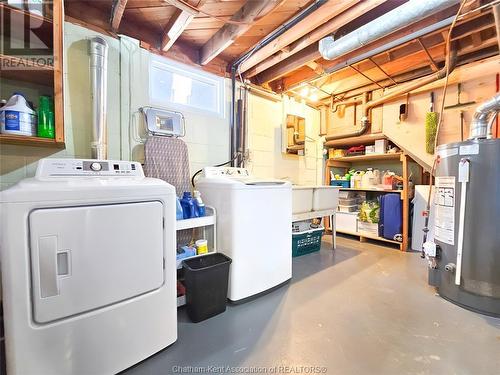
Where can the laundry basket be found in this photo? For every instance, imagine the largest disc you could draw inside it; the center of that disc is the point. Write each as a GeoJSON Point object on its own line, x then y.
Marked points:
{"type": "Point", "coordinates": [306, 242]}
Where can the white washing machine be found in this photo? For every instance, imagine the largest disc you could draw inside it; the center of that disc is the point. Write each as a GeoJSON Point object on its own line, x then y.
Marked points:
{"type": "Point", "coordinates": [88, 268]}
{"type": "Point", "coordinates": [254, 219]}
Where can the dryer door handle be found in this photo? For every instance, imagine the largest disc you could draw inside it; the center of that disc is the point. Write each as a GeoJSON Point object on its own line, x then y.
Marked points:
{"type": "Point", "coordinates": [47, 262]}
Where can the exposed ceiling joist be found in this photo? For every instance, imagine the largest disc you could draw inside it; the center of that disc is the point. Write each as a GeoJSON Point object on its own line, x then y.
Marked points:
{"type": "Point", "coordinates": [311, 53]}
{"type": "Point", "coordinates": [309, 23]}
{"type": "Point", "coordinates": [431, 60]}
{"type": "Point", "coordinates": [178, 22]}
{"type": "Point", "coordinates": [357, 85]}
{"type": "Point", "coordinates": [343, 80]}
{"type": "Point", "coordinates": [117, 13]}
{"type": "Point", "coordinates": [327, 28]}
{"type": "Point", "coordinates": [250, 12]}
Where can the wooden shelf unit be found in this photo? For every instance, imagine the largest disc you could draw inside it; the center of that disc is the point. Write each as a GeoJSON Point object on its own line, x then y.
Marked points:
{"type": "Point", "coordinates": [29, 141]}
{"type": "Point", "coordinates": [346, 163]}
{"type": "Point", "coordinates": [373, 190]}
{"type": "Point", "coordinates": [364, 236]}
{"type": "Point", "coordinates": [50, 76]}
{"type": "Point", "coordinates": [9, 10]}
{"type": "Point", "coordinates": [368, 157]}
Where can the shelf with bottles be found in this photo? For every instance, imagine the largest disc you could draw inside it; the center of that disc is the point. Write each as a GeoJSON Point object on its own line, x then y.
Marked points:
{"type": "Point", "coordinates": [196, 222]}
{"type": "Point", "coordinates": [23, 123]}
{"type": "Point", "coordinates": [347, 163]}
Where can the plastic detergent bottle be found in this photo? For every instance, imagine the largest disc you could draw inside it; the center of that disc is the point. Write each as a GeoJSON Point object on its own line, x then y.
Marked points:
{"type": "Point", "coordinates": [179, 215]}
{"type": "Point", "coordinates": [198, 204]}
{"type": "Point", "coordinates": [368, 179]}
{"type": "Point", "coordinates": [16, 117]}
{"type": "Point", "coordinates": [356, 179]}
{"type": "Point", "coordinates": [378, 177]}
{"type": "Point", "coordinates": [188, 205]}
{"type": "Point", "coordinates": [45, 118]}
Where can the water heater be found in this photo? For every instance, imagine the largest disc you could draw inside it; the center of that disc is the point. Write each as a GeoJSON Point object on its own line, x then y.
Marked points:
{"type": "Point", "coordinates": [465, 265]}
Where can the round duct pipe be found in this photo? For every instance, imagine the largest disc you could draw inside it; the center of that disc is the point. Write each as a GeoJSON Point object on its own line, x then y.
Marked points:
{"type": "Point", "coordinates": [404, 15]}
{"type": "Point", "coordinates": [98, 73]}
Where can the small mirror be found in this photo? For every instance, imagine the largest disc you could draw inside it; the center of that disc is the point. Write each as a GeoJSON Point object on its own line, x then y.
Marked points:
{"type": "Point", "coordinates": [295, 134]}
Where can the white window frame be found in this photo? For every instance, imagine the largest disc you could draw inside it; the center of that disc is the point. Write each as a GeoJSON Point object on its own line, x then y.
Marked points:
{"type": "Point", "coordinates": [196, 74]}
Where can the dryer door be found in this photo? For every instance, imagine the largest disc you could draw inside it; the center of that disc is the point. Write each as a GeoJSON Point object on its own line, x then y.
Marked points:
{"type": "Point", "coordinates": [85, 258]}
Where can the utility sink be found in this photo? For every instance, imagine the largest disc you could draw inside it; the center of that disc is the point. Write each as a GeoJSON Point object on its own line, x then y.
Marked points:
{"type": "Point", "coordinates": [314, 198]}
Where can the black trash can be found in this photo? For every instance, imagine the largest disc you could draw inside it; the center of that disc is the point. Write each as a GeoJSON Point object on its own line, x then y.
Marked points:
{"type": "Point", "coordinates": [206, 280]}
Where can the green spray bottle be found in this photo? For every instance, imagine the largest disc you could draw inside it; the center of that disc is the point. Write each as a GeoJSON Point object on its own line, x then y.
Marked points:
{"type": "Point", "coordinates": [46, 128]}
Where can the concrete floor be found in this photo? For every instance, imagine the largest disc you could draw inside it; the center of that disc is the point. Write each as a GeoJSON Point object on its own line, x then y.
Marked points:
{"type": "Point", "coordinates": [365, 309]}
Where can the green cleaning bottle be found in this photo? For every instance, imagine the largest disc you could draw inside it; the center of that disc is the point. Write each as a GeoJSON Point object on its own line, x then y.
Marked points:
{"type": "Point", "coordinates": [46, 128]}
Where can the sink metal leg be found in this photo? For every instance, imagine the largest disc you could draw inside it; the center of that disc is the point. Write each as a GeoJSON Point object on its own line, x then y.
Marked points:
{"type": "Point", "coordinates": [334, 231]}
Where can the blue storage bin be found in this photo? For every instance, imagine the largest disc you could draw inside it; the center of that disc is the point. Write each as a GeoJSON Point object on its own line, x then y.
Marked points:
{"type": "Point", "coordinates": [341, 183]}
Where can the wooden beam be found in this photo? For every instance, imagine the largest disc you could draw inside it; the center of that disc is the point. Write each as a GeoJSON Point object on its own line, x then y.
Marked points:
{"type": "Point", "coordinates": [343, 82]}
{"type": "Point", "coordinates": [325, 29]}
{"type": "Point", "coordinates": [318, 69]}
{"type": "Point", "coordinates": [117, 13]}
{"type": "Point", "coordinates": [429, 57]}
{"type": "Point", "coordinates": [178, 22]}
{"type": "Point", "coordinates": [250, 12]}
{"type": "Point", "coordinates": [326, 12]}
{"type": "Point", "coordinates": [182, 6]}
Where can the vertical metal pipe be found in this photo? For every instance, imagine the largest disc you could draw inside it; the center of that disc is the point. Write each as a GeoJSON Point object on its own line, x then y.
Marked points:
{"type": "Point", "coordinates": [232, 124]}
{"type": "Point", "coordinates": [315, 5]}
{"type": "Point", "coordinates": [98, 72]}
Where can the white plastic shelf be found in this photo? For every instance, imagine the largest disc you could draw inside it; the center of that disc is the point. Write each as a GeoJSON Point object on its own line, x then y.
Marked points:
{"type": "Point", "coordinates": [195, 222]}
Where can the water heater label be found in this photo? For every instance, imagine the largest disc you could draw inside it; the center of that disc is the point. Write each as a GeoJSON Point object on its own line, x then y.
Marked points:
{"type": "Point", "coordinates": [469, 149]}
{"type": "Point", "coordinates": [444, 201]}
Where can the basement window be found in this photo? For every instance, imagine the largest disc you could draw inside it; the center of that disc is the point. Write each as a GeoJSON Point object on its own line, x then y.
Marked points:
{"type": "Point", "coordinates": [181, 87]}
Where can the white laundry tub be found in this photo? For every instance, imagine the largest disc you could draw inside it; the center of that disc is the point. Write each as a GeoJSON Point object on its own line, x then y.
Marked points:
{"type": "Point", "coordinates": [325, 198]}
{"type": "Point", "coordinates": [302, 199]}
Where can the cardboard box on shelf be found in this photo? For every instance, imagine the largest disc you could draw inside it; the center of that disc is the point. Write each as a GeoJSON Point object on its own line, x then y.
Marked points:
{"type": "Point", "coordinates": [381, 146]}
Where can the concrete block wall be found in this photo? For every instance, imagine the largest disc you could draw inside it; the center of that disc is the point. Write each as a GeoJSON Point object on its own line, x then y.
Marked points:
{"type": "Point", "coordinates": [265, 118]}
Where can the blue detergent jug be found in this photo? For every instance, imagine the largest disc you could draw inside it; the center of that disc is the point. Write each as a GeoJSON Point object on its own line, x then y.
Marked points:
{"type": "Point", "coordinates": [187, 204]}
{"type": "Point", "coordinates": [179, 214]}
{"type": "Point", "coordinates": [198, 204]}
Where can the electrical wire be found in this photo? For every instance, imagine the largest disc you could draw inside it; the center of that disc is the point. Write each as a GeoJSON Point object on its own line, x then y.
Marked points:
{"type": "Point", "coordinates": [440, 121]}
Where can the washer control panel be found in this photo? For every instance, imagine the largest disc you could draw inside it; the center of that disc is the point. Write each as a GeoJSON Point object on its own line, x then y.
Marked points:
{"type": "Point", "coordinates": [226, 172]}
{"type": "Point", "coordinates": [53, 168]}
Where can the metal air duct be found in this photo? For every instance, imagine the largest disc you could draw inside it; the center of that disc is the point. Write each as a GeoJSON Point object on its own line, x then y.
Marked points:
{"type": "Point", "coordinates": [484, 117]}
{"type": "Point", "coordinates": [404, 15]}
{"type": "Point", "coordinates": [98, 72]}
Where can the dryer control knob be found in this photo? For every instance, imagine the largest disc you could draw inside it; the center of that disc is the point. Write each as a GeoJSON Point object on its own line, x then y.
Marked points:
{"type": "Point", "coordinates": [96, 166]}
